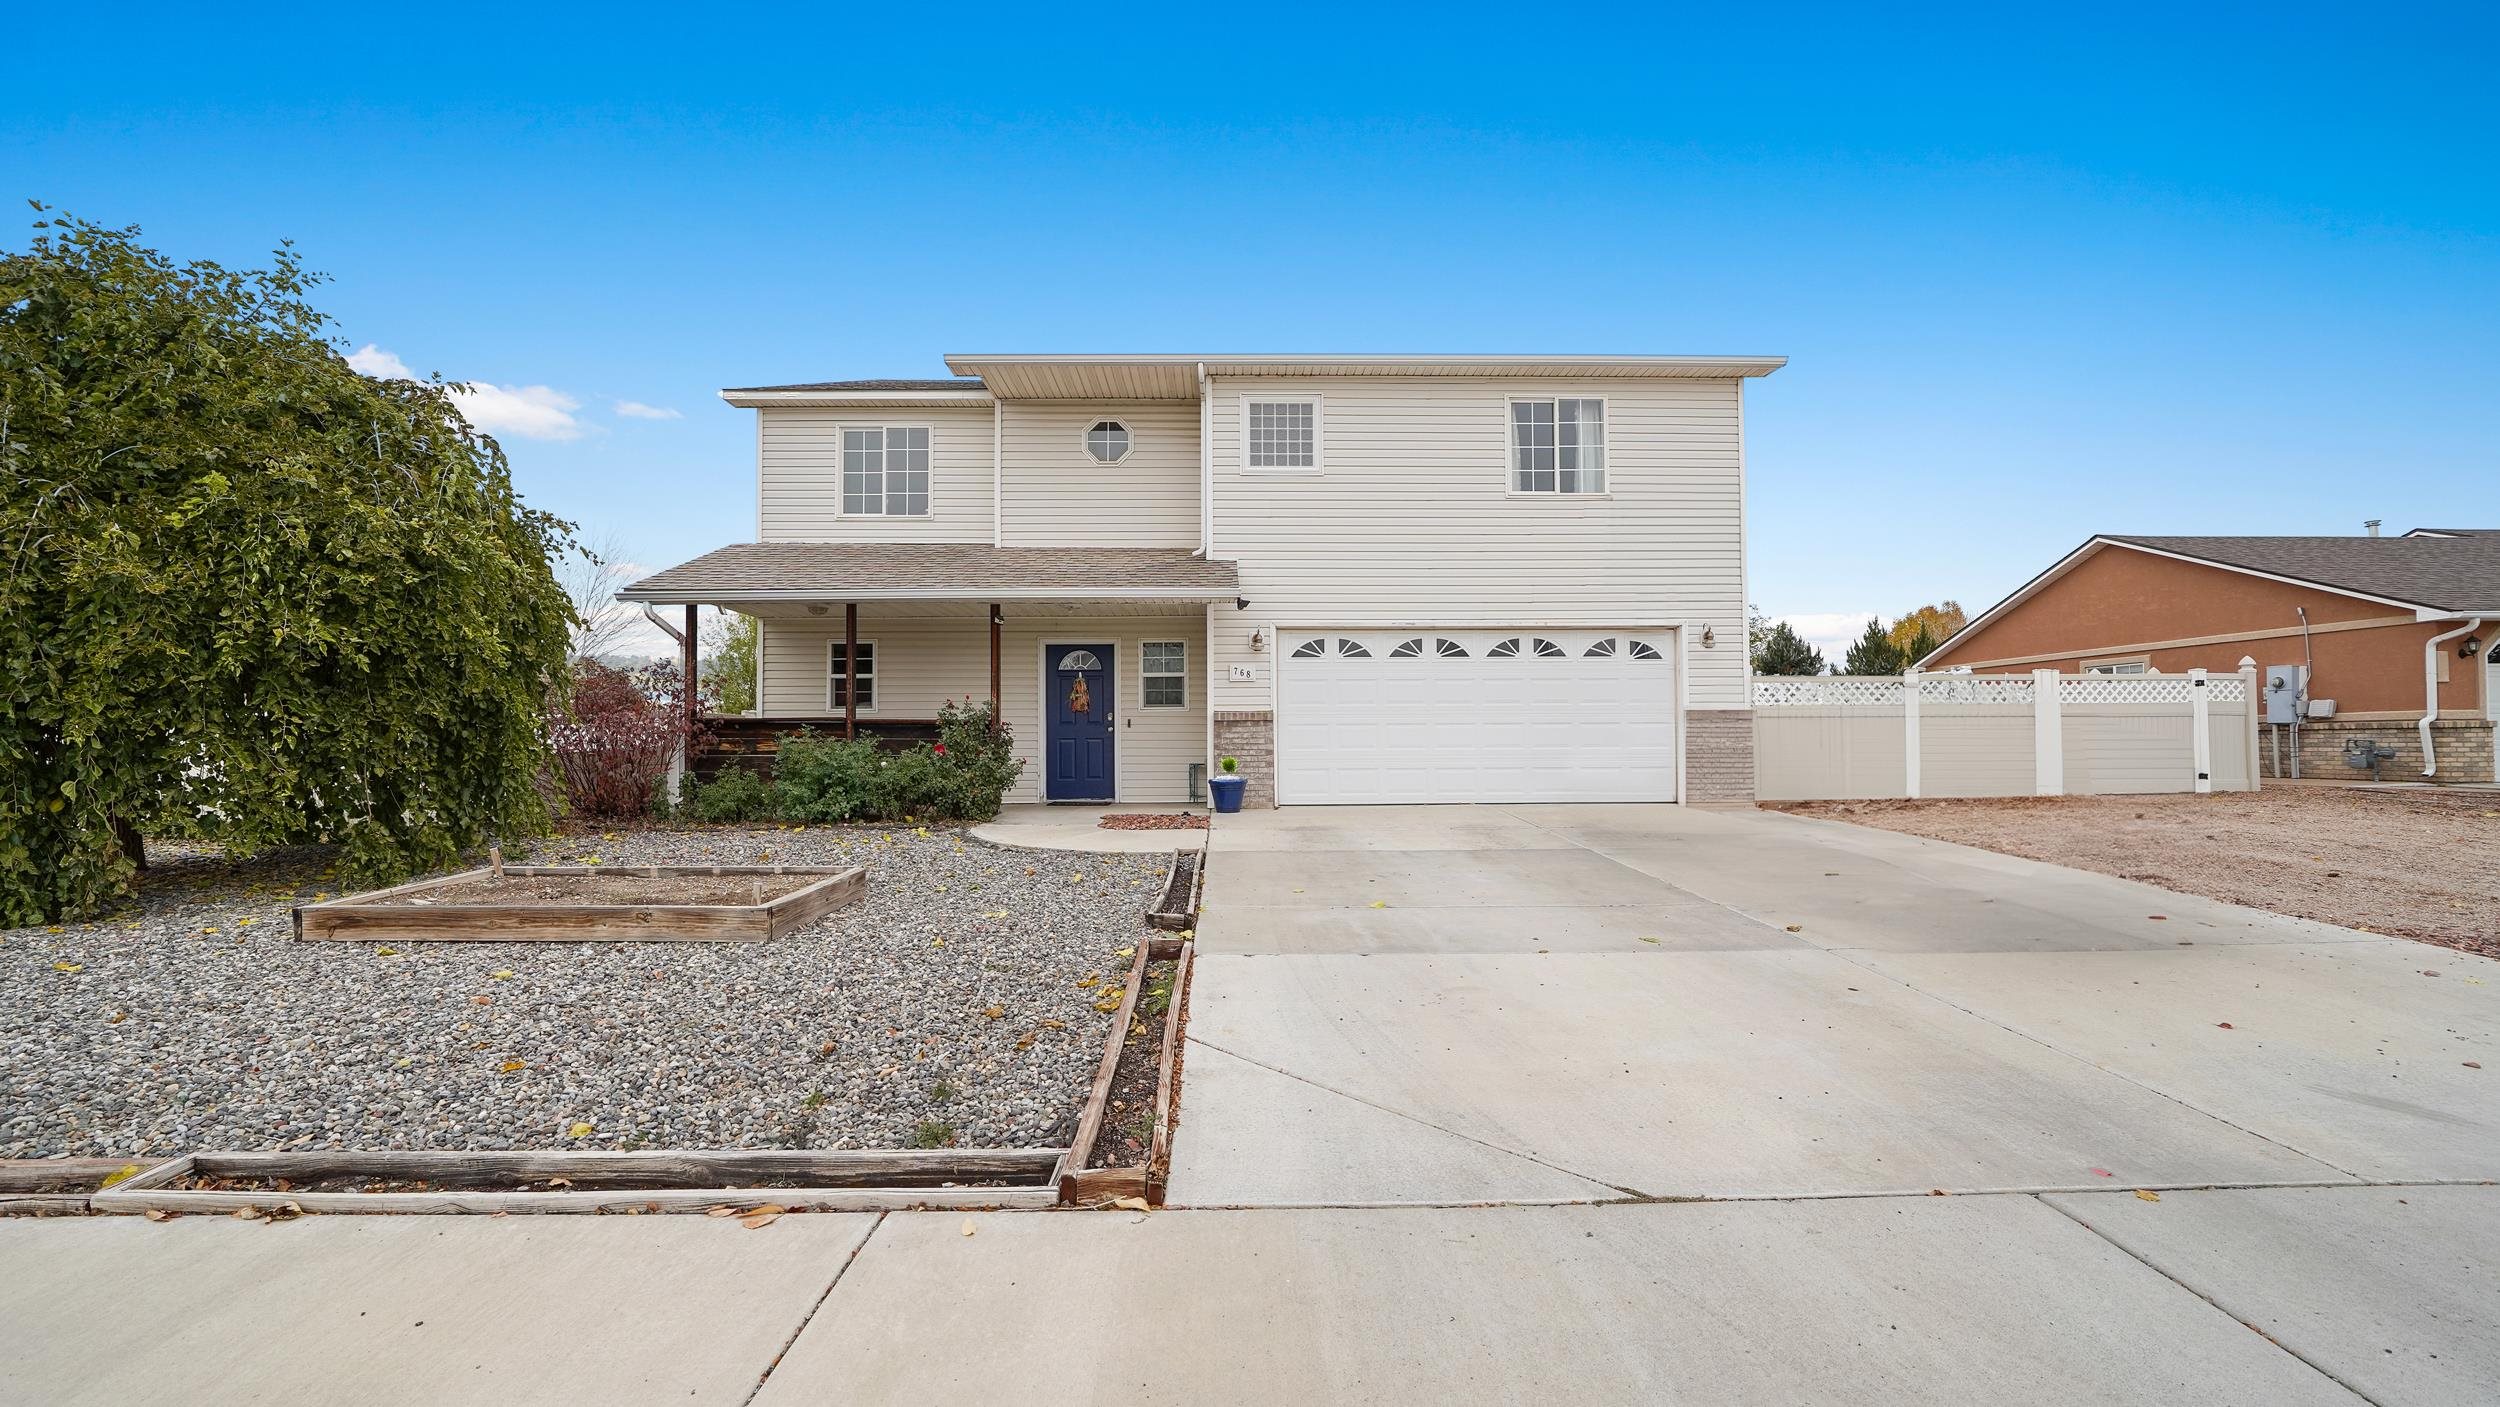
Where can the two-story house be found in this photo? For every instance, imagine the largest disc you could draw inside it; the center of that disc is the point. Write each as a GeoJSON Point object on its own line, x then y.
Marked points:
{"type": "Point", "coordinates": [1369, 578]}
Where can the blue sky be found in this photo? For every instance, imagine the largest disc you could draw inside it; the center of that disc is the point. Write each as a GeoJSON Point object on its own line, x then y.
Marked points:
{"type": "Point", "coordinates": [2228, 269]}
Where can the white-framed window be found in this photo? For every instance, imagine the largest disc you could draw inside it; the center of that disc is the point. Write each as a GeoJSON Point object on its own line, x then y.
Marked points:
{"type": "Point", "coordinates": [1280, 434]}
{"type": "Point", "coordinates": [1163, 674]}
{"type": "Point", "coordinates": [1108, 441]}
{"type": "Point", "coordinates": [867, 677]}
{"type": "Point", "coordinates": [1558, 446]}
{"type": "Point", "coordinates": [2139, 664]}
{"type": "Point", "coordinates": [885, 470]}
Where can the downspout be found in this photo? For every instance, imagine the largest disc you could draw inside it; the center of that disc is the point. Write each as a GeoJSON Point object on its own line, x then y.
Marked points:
{"type": "Point", "coordinates": [2430, 688]}
{"type": "Point", "coordinates": [998, 473]}
{"type": "Point", "coordinates": [1206, 468]}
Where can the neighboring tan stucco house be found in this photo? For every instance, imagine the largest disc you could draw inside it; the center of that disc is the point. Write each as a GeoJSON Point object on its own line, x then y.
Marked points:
{"type": "Point", "coordinates": [2395, 631]}
{"type": "Point", "coordinates": [1369, 578]}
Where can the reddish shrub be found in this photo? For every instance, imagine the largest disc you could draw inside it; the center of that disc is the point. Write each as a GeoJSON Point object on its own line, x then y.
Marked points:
{"type": "Point", "coordinates": [613, 743]}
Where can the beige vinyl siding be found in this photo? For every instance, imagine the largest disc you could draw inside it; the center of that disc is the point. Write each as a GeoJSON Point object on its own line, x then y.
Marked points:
{"type": "Point", "coordinates": [923, 660]}
{"type": "Point", "coordinates": [1057, 495]}
{"type": "Point", "coordinates": [801, 477]}
{"type": "Point", "coordinates": [1413, 521]}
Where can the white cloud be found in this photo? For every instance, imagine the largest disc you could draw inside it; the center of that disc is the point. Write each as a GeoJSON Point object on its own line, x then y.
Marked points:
{"type": "Point", "coordinates": [373, 361]}
{"type": "Point", "coordinates": [1831, 632]}
{"type": "Point", "coordinates": [531, 412]}
{"type": "Point", "coordinates": [636, 410]}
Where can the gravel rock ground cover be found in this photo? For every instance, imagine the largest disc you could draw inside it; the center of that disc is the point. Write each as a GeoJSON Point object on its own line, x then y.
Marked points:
{"type": "Point", "coordinates": [2417, 863]}
{"type": "Point", "coordinates": [955, 1004]}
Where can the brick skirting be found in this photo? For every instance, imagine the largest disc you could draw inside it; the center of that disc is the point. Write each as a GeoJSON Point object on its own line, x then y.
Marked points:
{"type": "Point", "coordinates": [1718, 754]}
{"type": "Point", "coordinates": [2463, 745]}
{"type": "Point", "coordinates": [1249, 737]}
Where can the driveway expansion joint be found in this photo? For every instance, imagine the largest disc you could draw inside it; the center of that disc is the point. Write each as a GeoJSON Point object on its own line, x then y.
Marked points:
{"type": "Point", "coordinates": [813, 1310]}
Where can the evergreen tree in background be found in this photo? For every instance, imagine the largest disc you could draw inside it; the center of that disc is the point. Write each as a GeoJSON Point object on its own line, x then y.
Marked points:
{"type": "Point", "coordinates": [1920, 647]}
{"type": "Point", "coordinates": [1785, 652]}
{"type": "Point", "coordinates": [1874, 653]}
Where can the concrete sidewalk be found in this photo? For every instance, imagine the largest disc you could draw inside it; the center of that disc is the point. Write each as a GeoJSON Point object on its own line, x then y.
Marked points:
{"type": "Point", "coordinates": [2098, 1299]}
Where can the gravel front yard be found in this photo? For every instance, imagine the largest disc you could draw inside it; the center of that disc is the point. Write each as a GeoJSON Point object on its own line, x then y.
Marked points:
{"type": "Point", "coordinates": [947, 1007]}
{"type": "Point", "coordinates": [2414, 862]}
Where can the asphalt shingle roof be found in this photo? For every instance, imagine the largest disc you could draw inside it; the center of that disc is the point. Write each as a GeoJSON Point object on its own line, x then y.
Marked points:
{"type": "Point", "coordinates": [888, 570]}
{"type": "Point", "coordinates": [2459, 573]}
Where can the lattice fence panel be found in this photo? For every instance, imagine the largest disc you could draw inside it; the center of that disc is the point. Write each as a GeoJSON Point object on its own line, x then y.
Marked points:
{"type": "Point", "coordinates": [2127, 689]}
{"type": "Point", "coordinates": [1974, 689]}
{"type": "Point", "coordinates": [1826, 691]}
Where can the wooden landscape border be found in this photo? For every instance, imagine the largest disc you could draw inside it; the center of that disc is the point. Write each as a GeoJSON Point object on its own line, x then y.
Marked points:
{"type": "Point", "coordinates": [1167, 1079]}
{"type": "Point", "coordinates": [1079, 1184]}
{"type": "Point", "coordinates": [1185, 916]}
{"type": "Point", "coordinates": [871, 1180]}
{"type": "Point", "coordinates": [19, 1177]}
{"type": "Point", "coordinates": [359, 918]}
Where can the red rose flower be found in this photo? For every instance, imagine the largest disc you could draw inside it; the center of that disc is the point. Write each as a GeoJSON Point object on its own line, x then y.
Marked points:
{"type": "Point", "coordinates": [940, 748]}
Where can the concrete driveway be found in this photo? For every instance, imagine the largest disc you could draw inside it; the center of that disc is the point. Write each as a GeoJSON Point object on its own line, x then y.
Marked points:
{"type": "Point", "coordinates": [1450, 1071]}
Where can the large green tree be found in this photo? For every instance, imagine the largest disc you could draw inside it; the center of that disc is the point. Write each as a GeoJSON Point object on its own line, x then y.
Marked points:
{"type": "Point", "coordinates": [1785, 652]}
{"type": "Point", "coordinates": [1873, 654]}
{"type": "Point", "coordinates": [244, 589]}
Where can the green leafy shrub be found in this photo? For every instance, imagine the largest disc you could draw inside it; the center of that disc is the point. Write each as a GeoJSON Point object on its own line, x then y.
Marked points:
{"type": "Point", "coordinates": [964, 776]}
{"type": "Point", "coordinates": [737, 794]}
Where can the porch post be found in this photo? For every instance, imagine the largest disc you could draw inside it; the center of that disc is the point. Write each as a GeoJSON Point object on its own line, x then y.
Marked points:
{"type": "Point", "coordinates": [850, 670]}
{"type": "Point", "coordinates": [686, 661]}
{"type": "Point", "coordinates": [994, 669]}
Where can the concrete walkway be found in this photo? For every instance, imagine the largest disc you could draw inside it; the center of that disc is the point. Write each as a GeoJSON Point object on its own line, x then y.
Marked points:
{"type": "Point", "coordinates": [1447, 1069]}
{"type": "Point", "coordinates": [1036, 827]}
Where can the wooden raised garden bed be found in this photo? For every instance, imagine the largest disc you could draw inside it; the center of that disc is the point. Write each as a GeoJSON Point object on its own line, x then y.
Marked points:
{"type": "Point", "coordinates": [548, 1182]}
{"type": "Point", "coordinates": [60, 1186]}
{"type": "Point", "coordinates": [1123, 1139]}
{"type": "Point", "coordinates": [590, 904]}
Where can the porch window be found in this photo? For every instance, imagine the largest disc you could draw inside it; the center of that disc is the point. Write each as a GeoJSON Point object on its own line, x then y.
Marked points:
{"type": "Point", "coordinates": [1164, 673]}
{"type": "Point", "coordinates": [834, 697]}
{"type": "Point", "coordinates": [1558, 446]}
{"type": "Point", "coordinates": [885, 470]}
{"type": "Point", "coordinates": [1280, 436]}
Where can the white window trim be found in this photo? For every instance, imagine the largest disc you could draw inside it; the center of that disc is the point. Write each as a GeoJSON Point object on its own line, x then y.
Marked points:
{"type": "Point", "coordinates": [1182, 674]}
{"type": "Point", "coordinates": [1319, 434]}
{"type": "Point", "coordinates": [2109, 665]}
{"type": "Point", "coordinates": [1085, 439]}
{"type": "Point", "coordinates": [1510, 449]}
{"type": "Point", "coordinates": [841, 496]}
{"type": "Point", "coordinates": [876, 674]}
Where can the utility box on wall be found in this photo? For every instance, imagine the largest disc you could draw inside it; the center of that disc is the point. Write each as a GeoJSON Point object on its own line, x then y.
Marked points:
{"type": "Point", "coordinates": [2285, 685]}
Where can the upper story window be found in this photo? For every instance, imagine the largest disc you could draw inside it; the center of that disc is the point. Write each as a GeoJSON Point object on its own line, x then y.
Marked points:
{"type": "Point", "coordinates": [1280, 435]}
{"type": "Point", "coordinates": [1558, 446]}
{"type": "Point", "coordinates": [1108, 441]}
{"type": "Point", "coordinates": [885, 470]}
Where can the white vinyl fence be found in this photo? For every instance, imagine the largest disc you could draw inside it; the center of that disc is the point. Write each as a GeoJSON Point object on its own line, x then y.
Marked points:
{"type": "Point", "coordinates": [1833, 737]}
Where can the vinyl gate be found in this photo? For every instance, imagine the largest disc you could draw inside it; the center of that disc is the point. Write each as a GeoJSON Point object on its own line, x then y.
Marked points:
{"type": "Point", "coordinates": [2044, 734]}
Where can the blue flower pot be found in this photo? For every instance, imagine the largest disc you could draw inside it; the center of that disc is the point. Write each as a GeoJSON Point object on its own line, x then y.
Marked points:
{"type": "Point", "coordinates": [1227, 791]}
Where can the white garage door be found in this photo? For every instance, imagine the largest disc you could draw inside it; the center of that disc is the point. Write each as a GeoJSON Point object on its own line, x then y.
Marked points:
{"type": "Point", "coordinates": [1475, 715]}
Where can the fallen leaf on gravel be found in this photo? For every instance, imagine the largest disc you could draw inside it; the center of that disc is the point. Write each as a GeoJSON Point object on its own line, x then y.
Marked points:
{"type": "Point", "coordinates": [1054, 1023]}
{"type": "Point", "coordinates": [1125, 953]}
{"type": "Point", "coordinates": [2144, 1196]}
{"type": "Point", "coordinates": [69, 967]}
{"type": "Point", "coordinates": [122, 1174]}
{"type": "Point", "coordinates": [1025, 1042]}
{"type": "Point", "coordinates": [511, 1065]}
{"type": "Point", "coordinates": [481, 1001]}
{"type": "Point", "coordinates": [993, 1012]}
{"type": "Point", "coordinates": [1130, 1204]}
{"type": "Point", "coordinates": [762, 1216]}
{"type": "Point", "coordinates": [501, 974]}
{"type": "Point", "coordinates": [1002, 913]}
{"type": "Point", "coordinates": [579, 1130]}
{"type": "Point", "coordinates": [1089, 979]}
{"type": "Point", "coordinates": [937, 942]}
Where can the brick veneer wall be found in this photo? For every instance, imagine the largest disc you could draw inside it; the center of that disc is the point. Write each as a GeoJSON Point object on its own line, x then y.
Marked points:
{"type": "Point", "coordinates": [2463, 744]}
{"type": "Point", "coordinates": [1249, 737]}
{"type": "Point", "coordinates": [1718, 755]}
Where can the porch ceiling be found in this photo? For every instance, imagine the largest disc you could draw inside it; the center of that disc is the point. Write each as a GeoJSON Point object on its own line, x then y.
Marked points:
{"type": "Point", "coordinates": [760, 573]}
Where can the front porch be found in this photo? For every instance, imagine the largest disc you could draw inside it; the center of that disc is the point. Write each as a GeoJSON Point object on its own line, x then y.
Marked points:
{"type": "Point", "coordinates": [1094, 659]}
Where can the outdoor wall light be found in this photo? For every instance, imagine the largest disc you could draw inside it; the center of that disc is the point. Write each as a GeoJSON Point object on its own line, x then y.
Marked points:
{"type": "Point", "coordinates": [818, 610]}
{"type": "Point", "coordinates": [1258, 640]}
{"type": "Point", "coordinates": [2473, 645]}
{"type": "Point", "coordinates": [1709, 637]}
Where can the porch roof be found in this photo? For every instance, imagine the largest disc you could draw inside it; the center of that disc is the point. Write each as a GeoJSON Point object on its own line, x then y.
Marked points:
{"type": "Point", "coordinates": [936, 571]}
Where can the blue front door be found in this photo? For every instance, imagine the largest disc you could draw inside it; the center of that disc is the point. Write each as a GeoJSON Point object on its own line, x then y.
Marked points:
{"type": "Point", "coordinates": [1077, 736]}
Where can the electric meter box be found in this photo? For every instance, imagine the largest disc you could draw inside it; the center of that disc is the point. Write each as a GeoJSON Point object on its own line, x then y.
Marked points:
{"type": "Point", "coordinates": [2286, 684]}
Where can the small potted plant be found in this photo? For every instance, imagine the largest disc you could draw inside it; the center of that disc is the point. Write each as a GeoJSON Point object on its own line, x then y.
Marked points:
{"type": "Point", "coordinates": [1227, 787]}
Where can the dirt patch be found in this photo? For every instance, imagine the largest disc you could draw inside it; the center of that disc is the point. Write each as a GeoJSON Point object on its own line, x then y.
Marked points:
{"type": "Point", "coordinates": [1128, 1116]}
{"type": "Point", "coordinates": [1152, 821]}
{"type": "Point", "coordinates": [620, 890]}
{"type": "Point", "coordinates": [2413, 862]}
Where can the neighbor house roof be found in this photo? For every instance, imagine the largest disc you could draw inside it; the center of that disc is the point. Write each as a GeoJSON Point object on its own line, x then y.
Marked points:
{"type": "Point", "coordinates": [1173, 376]}
{"type": "Point", "coordinates": [2449, 572]}
{"type": "Point", "coordinates": [941, 383]}
{"type": "Point", "coordinates": [915, 571]}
